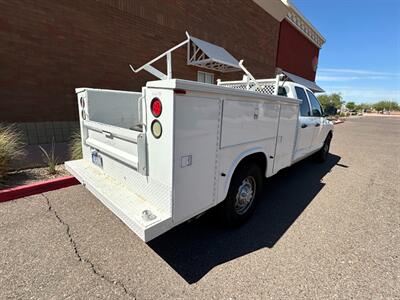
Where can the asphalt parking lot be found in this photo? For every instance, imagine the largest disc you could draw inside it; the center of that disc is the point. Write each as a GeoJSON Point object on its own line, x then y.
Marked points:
{"type": "Point", "coordinates": [321, 231]}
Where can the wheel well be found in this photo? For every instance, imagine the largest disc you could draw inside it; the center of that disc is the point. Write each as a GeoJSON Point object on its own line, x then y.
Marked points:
{"type": "Point", "coordinates": [330, 134]}
{"type": "Point", "coordinates": [258, 158]}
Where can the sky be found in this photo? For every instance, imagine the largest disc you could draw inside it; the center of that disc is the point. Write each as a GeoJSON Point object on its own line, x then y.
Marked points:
{"type": "Point", "coordinates": [361, 55]}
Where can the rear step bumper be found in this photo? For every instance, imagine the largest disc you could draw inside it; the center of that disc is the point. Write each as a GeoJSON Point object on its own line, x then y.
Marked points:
{"type": "Point", "coordinates": [128, 206]}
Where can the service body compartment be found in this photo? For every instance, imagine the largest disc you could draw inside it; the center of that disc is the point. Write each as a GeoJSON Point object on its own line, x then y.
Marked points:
{"type": "Point", "coordinates": [245, 122]}
{"type": "Point", "coordinates": [197, 120]}
{"type": "Point", "coordinates": [286, 136]}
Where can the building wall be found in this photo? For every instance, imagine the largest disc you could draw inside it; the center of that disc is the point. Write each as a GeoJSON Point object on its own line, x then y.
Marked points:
{"type": "Point", "coordinates": [296, 53]}
{"type": "Point", "coordinates": [48, 48]}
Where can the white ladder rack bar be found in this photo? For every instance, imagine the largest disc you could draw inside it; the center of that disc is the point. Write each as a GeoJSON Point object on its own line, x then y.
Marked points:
{"type": "Point", "coordinates": [156, 72]}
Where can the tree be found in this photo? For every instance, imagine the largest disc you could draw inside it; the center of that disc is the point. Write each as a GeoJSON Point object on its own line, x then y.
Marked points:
{"type": "Point", "coordinates": [331, 103]}
{"type": "Point", "coordinates": [386, 105]}
{"type": "Point", "coordinates": [358, 107]}
{"type": "Point", "coordinates": [363, 106]}
{"type": "Point", "coordinates": [351, 105]}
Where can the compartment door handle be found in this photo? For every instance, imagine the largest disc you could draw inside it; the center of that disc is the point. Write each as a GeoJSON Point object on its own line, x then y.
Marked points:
{"type": "Point", "coordinates": [107, 134]}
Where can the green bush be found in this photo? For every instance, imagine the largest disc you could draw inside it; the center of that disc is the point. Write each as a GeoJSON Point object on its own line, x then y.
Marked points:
{"type": "Point", "coordinates": [12, 147]}
{"type": "Point", "coordinates": [75, 146]}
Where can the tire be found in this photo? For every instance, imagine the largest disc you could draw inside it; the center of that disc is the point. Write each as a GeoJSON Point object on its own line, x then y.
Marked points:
{"type": "Point", "coordinates": [322, 155]}
{"type": "Point", "coordinates": [243, 194]}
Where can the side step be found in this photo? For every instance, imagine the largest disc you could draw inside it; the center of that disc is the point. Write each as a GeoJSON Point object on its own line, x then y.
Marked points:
{"type": "Point", "coordinates": [141, 217]}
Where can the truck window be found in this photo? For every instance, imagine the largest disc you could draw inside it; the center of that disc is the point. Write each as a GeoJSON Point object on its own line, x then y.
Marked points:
{"type": "Point", "coordinates": [315, 106]}
{"type": "Point", "coordinates": [304, 106]}
{"type": "Point", "coordinates": [282, 91]}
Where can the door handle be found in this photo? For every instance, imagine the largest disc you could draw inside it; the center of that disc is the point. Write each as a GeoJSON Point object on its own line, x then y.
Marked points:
{"type": "Point", "coordinates": [304, 125]}
{"type": "Point", "coordinates": [107, 134]}
{"type": "Point", "coordinates": [317, 124]}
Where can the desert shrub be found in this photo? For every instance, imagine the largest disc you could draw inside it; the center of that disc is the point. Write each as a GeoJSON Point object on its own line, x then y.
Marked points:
{"type": "Point", "coordinates": [12, 147]}
{"type": "Point", "coordinates": [49, 158]}
{"type": "Point", "coordinates": [75, 146]}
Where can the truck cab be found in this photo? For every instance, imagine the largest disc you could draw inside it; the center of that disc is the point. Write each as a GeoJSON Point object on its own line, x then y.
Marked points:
{"type": "Point", "coordinates": [313, 127]}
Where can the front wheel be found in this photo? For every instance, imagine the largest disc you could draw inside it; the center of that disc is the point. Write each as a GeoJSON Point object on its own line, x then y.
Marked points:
{"type": "Point", "coordinates": [244, 191]}
{"type": "Point", "coordinates": [322, 155]}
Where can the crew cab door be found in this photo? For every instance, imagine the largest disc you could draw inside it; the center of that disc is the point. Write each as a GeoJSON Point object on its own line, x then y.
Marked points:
{"type": "Point", "coordinates": [317, 116]}
{"type": "Point", "coordinates": [305, 130]}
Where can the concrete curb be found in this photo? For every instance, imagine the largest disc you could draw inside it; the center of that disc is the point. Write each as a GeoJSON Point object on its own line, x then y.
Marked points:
{"type": "Point", "coordinates": [337, 122]}
{"type": "Point", "coordinates": [37, 188]}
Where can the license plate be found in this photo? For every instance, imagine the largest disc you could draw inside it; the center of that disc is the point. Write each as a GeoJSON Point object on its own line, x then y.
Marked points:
{"type": "Point", "coordinates": [97, 159]}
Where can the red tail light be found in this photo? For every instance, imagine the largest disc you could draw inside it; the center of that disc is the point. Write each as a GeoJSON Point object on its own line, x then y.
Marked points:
{"type": "Point", "coordinates": [156, 107]}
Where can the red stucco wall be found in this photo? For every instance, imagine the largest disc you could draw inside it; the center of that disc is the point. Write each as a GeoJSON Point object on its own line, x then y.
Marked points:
{"type": "Point", "coordinates": [296, 53]}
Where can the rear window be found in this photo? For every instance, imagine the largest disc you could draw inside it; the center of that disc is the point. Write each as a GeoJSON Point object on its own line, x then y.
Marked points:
{"type": "Point", "coordinates": [282, 91]}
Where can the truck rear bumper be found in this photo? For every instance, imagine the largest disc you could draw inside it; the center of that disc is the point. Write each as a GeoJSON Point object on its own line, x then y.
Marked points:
{"type": "Point", "coordinates": [141, 216]}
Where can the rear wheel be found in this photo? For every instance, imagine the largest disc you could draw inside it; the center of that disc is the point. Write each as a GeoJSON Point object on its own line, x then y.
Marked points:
{"type": "Point", "coordinates": [244, 191]}
{"type": "Point", "coordinates": [322, 155]}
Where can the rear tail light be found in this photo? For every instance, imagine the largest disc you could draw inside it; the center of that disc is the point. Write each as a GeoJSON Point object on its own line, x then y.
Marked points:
{"type": "Point", "coordinates": [156, 107]}
{"type": "Point", "coordinates": [156, 129]}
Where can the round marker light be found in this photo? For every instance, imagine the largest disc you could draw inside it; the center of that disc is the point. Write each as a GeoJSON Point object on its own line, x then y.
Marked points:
{"type": "Point", "coordinates": [156, 107]}
{"type": "Point", "coordinates": [156, 129]}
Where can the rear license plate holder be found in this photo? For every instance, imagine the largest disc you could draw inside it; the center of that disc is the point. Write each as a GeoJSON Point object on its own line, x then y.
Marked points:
{"type": "Point", "coordinates": [97, 159]}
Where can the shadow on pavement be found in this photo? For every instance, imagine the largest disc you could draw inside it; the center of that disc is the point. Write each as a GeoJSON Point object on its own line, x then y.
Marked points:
{"type": "Point", "coordinates": [193, 249]}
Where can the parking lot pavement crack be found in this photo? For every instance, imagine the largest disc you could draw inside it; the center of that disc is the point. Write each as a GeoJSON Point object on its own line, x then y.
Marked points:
{"type": "Point", "coordinates": [78, 255]}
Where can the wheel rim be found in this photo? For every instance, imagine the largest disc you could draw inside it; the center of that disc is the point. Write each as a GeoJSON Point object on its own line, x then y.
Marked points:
{"type": "Point", "coordinates": [245, 195]}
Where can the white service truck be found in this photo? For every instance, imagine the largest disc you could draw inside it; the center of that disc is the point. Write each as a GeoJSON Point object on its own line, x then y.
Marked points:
{"type": "Point", "coordinates": [159, 157]}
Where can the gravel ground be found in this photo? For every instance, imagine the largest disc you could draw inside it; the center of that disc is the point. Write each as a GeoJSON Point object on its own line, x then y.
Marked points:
{"type": "Point", "coordinates": [322, 231]}
{"type": "Point", "coordinates": [28, 176]}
